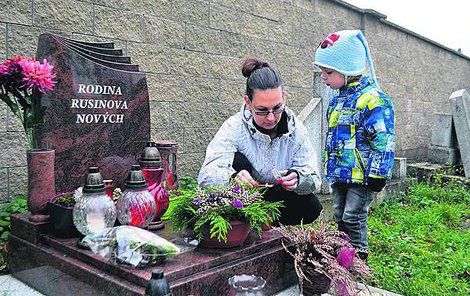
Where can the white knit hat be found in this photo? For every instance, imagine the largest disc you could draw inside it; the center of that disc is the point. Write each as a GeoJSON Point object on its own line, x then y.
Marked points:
{"type": "Point", "coordinates": [346, 52]}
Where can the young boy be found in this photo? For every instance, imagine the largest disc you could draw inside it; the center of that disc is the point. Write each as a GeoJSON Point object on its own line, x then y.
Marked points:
{"type": "Point", "coordinates": [360, 141]}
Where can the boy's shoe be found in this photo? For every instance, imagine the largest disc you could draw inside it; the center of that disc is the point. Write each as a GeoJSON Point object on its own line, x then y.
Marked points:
{"type": "Point", "coordinates": [362, 254]}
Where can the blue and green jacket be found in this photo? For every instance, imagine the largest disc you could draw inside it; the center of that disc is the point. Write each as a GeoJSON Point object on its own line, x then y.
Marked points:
{"type": "Point", "coordinates": [360, 141]}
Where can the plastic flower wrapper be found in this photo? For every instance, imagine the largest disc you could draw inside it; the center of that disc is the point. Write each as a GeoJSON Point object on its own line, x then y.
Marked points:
{"type": "Point", "coordinates": [132, 246]}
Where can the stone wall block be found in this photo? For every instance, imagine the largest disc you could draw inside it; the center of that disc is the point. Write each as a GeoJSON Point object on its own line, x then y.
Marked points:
{"type": "Point", "coordinates": [13, 147]}
{"type": "Point", "coordinates": [4, 197]}
{"type": "Point", "coordinates": [202, 90]}
{"type": "Point", "coordinates": [4, 109]}
{"type": "Point", "coordinates": [268, 9]}
{"type": "Point", "coordinates": [18, 12]}
{"type": "Point", "coordinates": [235, 45]}
{"type": "Point", "coordinates": [169, 88]}
{"type": "Point", "coordinates": [115, 23]}
{"type": "Point", "coordinates": [169, 134]}
{"type": "Point", "coordinates": [289, 13]}
{"type": "Point", "coordinates": [162, 8]}
{"type": "Point", "coordinates": [189, 164]}
{"type": "Point", "coordinates": [197, 12]}
{"type": "Point", "coordinates": [226, 19]}
{"type": "Point", "coordinates": [159, 114]}
{"type": "Point", "coordinates": [18, 181]}
{"type": "Point", "coordinates": [264, 49]}
{"type": "Point", "coordinates": [163, 31]}
{"type": "Point", "coordinates": [226, 67]}
{"type": "Point", "coordinates": [23, 40]}
{"type": "Point", "coordinates": [197, 139]}
{"type": "Point", "coordinates": [13, 123]}
{"type": "Point", "coordinates": [67, 15]}
{"type": "Point", "coordinates": [150, 57]}
{"type": "Point", "coordinates": [242, 5]}
{"type": "Point", "coordinates": [232, 92]}
{"type": "Point", "coordinates": [189, 63]}
{"type": "Point", "coordinates": [203, 39]}
{"type": "Point", "coordinates": [3, 39]}
{"type": "Point", "coordinates": [118, 4]}
{"type": "Point", "coordinates": [200, 114]}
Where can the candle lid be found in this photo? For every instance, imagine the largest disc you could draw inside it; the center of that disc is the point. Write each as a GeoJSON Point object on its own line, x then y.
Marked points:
{"type": "Point", "coordinates": [94, 181]}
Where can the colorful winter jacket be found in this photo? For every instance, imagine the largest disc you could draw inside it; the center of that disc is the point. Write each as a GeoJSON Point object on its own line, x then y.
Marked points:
{"type": "Point", "coordinates": [360, 140]}
{"type": "Point", "coordinates": [290, 150]}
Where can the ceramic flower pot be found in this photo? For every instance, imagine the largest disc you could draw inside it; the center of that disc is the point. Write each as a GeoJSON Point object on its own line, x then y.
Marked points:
{"type": "Point", "coordinates": [62, 220]}
{"type": "Point", "coordinates": [235, 237]}
{"type": "Point", "coordinates": [41, 183]}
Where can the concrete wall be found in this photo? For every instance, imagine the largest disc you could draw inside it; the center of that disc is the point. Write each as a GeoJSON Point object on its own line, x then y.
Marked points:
{"type": "Point", "coordinates": [192, 51]}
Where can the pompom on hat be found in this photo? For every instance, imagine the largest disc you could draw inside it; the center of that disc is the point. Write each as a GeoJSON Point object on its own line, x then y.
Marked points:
{"type": "Point", "coordinates": [346, 52]}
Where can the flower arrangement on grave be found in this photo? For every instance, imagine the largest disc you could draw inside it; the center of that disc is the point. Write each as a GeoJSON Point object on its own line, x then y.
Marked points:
{"type": "Point", "coordinates": [22, 82]}
{"type": "Point", "coordinates": [210, 211]}
{"type": "Point", "coordinates": [323, 259]}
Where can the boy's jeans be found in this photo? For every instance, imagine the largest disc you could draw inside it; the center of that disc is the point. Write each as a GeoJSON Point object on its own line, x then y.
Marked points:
{"type": "Point", "coordinates": [351, 203]}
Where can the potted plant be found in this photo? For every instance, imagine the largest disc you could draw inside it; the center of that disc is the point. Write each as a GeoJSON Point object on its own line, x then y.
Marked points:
{"type": "Point", "coordinates": [222, 216]}
{"type": "Point", "coordinates": [324, 259]}
{"type": "Point", "coordinates": [23, 81]}
{"type": "Point", "coordinates": [61, 214]}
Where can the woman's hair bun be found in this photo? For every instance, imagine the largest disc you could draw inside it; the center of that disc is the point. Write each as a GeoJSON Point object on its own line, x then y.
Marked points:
{"type": "Point", "coordinates": [251, 64]}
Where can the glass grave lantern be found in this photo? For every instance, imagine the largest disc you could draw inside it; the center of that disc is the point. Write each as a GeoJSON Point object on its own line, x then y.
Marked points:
{"type": "Point", "coordinates": [94, 210]}
{"type": "Point", "coordinates": [154, 174]}
{"type": "Point", "coordinates": [136, 207]}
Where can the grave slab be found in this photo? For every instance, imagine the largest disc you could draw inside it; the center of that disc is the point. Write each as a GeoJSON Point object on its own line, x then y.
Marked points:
{"type": "Point", "coordinates": [52, 265]}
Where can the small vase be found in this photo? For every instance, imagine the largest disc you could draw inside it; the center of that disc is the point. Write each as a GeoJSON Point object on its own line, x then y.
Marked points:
{"type": "Point", "coordinates": [41, 183]}
{"type": "Point", "coordinates": [236, 236]}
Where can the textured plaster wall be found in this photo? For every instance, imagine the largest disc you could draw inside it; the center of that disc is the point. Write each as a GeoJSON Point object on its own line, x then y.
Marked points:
{"type": "Point", "coordinates": [192, 51]}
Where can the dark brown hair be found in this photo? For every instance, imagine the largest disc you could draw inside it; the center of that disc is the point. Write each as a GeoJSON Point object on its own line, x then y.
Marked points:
{"type": "Point", "coordinates": [259, 76]}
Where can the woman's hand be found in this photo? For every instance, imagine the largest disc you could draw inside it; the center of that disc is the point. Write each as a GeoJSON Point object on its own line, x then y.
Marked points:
{"type": "Point", "coordinates": [244, 177]}
{"type": "Point", "coordinates": [290, 180]}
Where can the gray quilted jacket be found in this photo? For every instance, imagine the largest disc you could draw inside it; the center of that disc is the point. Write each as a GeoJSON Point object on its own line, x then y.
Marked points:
{"type": "Point", "coordinates": [291, 150]}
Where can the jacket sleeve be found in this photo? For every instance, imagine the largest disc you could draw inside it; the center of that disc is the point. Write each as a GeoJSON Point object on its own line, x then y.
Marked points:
{"type": "Point", "coordinates": [305, 162]}
{"type": "Point", "coordinates": [217, 167]}
{"type": "Point", "coordinates": [379, 123]}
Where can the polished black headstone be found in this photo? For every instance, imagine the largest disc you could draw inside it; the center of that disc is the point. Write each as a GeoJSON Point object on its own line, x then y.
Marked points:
{"type": "Point", "coordinates": [97, 114]}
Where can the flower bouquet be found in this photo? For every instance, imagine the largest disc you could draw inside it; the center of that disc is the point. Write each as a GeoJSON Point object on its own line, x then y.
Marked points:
{"type": "Point", "coordinates": [323, 259]}
{"type": "Point", "coordinates": [22, 82]}
{"type": "Point", "coordinates": [214, 212]}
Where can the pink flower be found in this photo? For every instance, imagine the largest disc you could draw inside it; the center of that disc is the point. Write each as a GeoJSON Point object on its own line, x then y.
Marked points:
{"type": "Point", "coordinates": [346, 257]}
{"type": "Point", "coordinates": [11, 73]}
{"type": "Point", "coordinates": [37, 75]}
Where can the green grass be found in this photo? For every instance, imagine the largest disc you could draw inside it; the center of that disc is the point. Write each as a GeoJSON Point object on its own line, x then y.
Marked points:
{"type": "Point", "coordinates": [420, 242]}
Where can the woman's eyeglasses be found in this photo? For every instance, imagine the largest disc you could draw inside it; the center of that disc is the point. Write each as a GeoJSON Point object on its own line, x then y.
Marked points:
{"type": "Point", "coordinates": [275, 111]}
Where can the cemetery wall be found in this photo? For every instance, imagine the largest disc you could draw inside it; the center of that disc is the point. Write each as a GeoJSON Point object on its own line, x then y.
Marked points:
{"type": "Point", "coordinates": [192, 51]}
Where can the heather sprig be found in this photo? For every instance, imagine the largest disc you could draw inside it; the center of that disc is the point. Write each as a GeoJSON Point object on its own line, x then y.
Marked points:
{"type": "Point", "coordinates": [328, 251]}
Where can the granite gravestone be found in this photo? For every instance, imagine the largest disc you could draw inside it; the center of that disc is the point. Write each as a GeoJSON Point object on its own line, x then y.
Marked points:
{"type": "Point", "coordinates": [98, 113]}
{"type": "Point", "coordinates": [460, 105]}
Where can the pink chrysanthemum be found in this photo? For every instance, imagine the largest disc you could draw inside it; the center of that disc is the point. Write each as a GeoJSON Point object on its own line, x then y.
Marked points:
{"type": "Point", "coordinates": [37, 75]}
{"type": "Point", "coordinates": [11, 73]}
{"type": "Point", "coordinates": [11, 66]}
